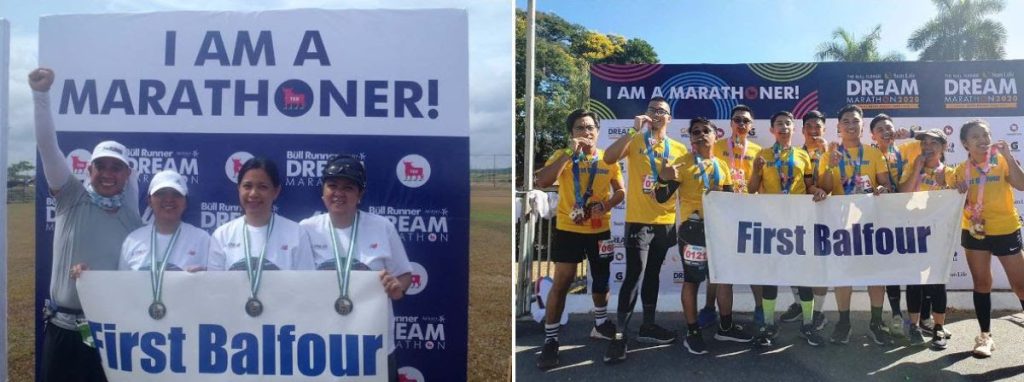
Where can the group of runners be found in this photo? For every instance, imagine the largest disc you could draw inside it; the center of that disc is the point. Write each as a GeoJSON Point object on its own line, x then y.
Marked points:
{"type": "Point", "coordinates": [665, 174]}
{"type": "Point", "coordinates": [98, 219]}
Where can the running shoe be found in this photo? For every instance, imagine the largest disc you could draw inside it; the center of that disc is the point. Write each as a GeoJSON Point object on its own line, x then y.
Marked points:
{"type": "Point", "coordinates": [896, 329]}
{"type": "Point", "coordinates": [616, 350]}
{"type": "Point", "coordinates": [734, 334]}
{"type": "Point", "coordinates": [694, 342]}
{"type": "Point", "coordinates": [984, 345]}
{"type": "Point", "coordinates": [766, 336]}
{"type": "Point", "coordinates": [915, 336]}
{"type": "Point", "coordinates": [820, 321]}
{"type": "Point", "coordinates": [927, 325]}
{"type": "Point", "coordinates": [841, 333]}
{"type": "Point", "coordinates": [878, 334]}
{"type": "Point", "coordinates": [813, 338]}
{"type": "Point", "coordinates": [938, 342]}
{"type": "Point", "coordinates": [707, 317]}
{"type": "Point", "coordinates": [654, 334]}
{"type": "Point", "coordinates": [943, 333]}
{"type": "Point", "coordinates": [548, 356]}
{"type": "Point", "coordinates": [792, 314]}
{"type": "Point", "coordinates": [605, 331]}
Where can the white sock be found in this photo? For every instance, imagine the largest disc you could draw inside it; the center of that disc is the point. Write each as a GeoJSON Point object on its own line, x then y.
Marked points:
{"type": "Point", "coordinates": [551, 332]}
{"type": "Point", "coordinates": [600, 315]}
{"type": "Point", "coordinates": [819, 302]}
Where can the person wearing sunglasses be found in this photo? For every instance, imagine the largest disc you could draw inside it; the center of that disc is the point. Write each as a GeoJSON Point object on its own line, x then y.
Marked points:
{"type": "Point", "coordinates": [650, 224]}
{"type": "Point", "coordinates": [260, 239]}
{"type": "Point", "coordinates": [857, 169]}
{"type": "Point", "coordinates": [588, 189]}
{"type": "Point", "coordinates": [739, 152]}
{"type": "Point", "coordinates": [91, 222]}
{"type": "Point", "coordinates": [790, 172]}
{"type": "Point", "coordinates": [370, 240]}
{"type": "Point", "coordinates": [694, 175]}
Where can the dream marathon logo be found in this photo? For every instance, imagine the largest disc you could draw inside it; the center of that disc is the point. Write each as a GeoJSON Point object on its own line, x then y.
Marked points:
{"type": "Point", "coordinates": [983, 90]}
{"type": "Point", "coordinates": [417, 225]}
{"type": "Point", "coordinates": [883, 91]}
{"type": "Point", "coordinates": [304, 168]}
{"type": "Point", "coordinates": [369, 98]}
{"type": "Point", "coordinates": [216, 214]}
{"type": "Point", "coordinates": [790, 92]}
{"type": "Point", "coordinates": [148, 162]}
{"type": "Point", "coordinates": [420, 332]}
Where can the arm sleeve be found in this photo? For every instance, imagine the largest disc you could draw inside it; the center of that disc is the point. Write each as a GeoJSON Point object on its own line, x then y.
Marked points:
{"type": "Point", "coordinates": [662, 194]}
{"type": "Point", "coordinates": [131, 192]}
{"type": "Point", "coordinates": [55, 168]}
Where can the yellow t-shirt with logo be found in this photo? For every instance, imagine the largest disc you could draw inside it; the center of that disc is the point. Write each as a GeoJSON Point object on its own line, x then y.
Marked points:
{"type": "Point", "coordinates": [641, 207]}
{"type": "Point", "coordinates": [770, 181]}
{"type": "Point", "coordinates": [930, 178]}
{"type": "Point", "coordinates": [900, 166]}
{"type": "Point", "coordinates": [601, 190]}
{"type": "Point", "coordinates": [873, 165]}
{"type": "Point", "coordinates": [691, 183]}
{"type": "Point", "coordinates": [997, 209]}
{"type": "Point", "coordinates": [819, 163]}
{"type": "Point", "coordinates": [736, 157]}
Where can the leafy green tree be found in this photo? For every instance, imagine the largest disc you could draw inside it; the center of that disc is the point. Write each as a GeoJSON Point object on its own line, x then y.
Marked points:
{"type": "Point", "coordinates": [845, 47]}
{"type": "Point", "coordinates": [961, 32]}
{"type": "Point", "coordinates": [563, 55]}
{"type": "Point", "coordinates": [16, 171]}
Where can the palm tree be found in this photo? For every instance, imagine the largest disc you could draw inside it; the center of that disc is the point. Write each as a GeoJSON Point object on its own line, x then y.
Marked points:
{"type": "Point", "coordinates": [961, 31]}
{"type": "Point", "coordinates": [845, 47]}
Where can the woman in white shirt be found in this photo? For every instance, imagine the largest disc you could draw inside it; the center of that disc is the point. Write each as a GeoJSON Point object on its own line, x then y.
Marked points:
{"type": "Point", "coordinates": [168, 240]}
{"type": "Point", "coordinates": [369, 238]}
{"type": "Point", "coordinates": [263, 238]}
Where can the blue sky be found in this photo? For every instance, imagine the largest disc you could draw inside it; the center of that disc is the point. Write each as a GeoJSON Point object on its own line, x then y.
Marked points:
{"type": "Point", "coordinates": [749, 31]}
{"type": "Point", "coordinates": [491, 59]}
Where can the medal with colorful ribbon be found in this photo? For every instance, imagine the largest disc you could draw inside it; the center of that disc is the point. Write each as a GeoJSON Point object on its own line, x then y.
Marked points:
{"type": "Point", "coordinates": [254, 307]}
{"type": "Point", "coordinates": [849, 183]}
{"type": "Point", "coordinates": [704, 174]}
{"type": "Point", "coordinates": [739, 178]}
{"type": "Point", "coordinates": [649, 141]}
{"type": "Point", "coordinates": [974, 210]}
{"type": "Point", "coordinates": [785, 181]}
{"type": "Point", "coordinates": [579, 213]}
{"type": "Point", "coordinates": [157, 309]}
{"type": "Point", "coordinates": [343, 305]}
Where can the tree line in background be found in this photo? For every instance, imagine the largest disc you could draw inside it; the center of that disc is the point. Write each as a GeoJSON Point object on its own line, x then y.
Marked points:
{"type": "Point", "coordinates": [961, 31]}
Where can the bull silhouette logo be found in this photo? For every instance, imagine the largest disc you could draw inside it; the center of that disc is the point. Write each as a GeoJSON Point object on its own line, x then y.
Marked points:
{"type": "Point", "coordinates": [293, 98]}
{"type": "Point", "coordinates": [419, 279]}
{"type": "Point", "coordinates": [78, 162]}
{"type": "Point", "coordinates": [234, 164]}
{"type": "Point", "coordinates": [413, 170]}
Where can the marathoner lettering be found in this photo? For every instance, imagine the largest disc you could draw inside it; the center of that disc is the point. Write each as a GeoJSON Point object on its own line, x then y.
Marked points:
{"type": "Point", "coordinates": [859, 240]}
{"type": "Point", "coordinates": [350, 98]}
{"type": "Point", "coordinates": [273, 351]}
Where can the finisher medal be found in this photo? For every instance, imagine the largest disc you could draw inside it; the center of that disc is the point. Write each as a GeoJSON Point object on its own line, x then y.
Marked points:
{"type": "Point", "coordinates": [253, 307]}
{"type": "Point", "coordinates": [157, 310]}
{"type": "Point", "coordinates": [343, 305]}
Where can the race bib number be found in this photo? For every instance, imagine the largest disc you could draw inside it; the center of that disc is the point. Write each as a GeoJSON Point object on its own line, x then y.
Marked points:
{"type": "Point", "coordinates": [606, 247]}
{"type": "Point", "coordinates": [695, 253]}
{"type": "Point", "coordinates": [862, 185]}
{"type": "Point", "coordinates": [648, 183]}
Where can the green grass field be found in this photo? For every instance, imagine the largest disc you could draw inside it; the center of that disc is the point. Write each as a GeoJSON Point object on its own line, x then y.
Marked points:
{"type": "Point", "coordinates": [490, 316]}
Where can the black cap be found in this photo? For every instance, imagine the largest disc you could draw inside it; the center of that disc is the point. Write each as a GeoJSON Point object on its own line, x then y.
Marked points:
{"type": "Point", "coordinates": [346, 166]}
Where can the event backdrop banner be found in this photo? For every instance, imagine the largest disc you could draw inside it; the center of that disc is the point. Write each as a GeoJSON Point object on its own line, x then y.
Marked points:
{"type": "Point", "coordinates": [940, 95]}
{"type": "Point", "coordinates": [207, 336]}
{"type": "Point", "coordinates": [890, 239]}
{"type": "Point", "coordinates": [202, 92]}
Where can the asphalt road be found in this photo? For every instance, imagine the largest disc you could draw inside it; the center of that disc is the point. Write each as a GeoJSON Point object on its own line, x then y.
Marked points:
{"type": "Point", "coordinates": [792, 359]}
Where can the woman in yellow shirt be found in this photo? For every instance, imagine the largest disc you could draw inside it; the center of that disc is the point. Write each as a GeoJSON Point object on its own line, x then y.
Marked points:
{"type": "Point", "coordinates": [991, 225]}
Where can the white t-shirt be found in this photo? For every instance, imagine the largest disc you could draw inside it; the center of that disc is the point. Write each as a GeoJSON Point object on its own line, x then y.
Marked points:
{"type": "Point", "coordinates": [190, 250]}
{"type": "Point", "coordinates": [377, 245]}
{"type": "Point", "coordinates": [288, 248]}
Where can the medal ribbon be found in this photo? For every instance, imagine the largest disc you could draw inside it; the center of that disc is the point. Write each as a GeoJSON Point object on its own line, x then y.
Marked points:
{"type": "Point", "coordinates": [990, 161]}
{"type": "Point", "coordinates": [935, 176]}
{"type": "Point", "coordinates": [256, 275]}
{"type": "Point", "coordinates": [815, 162]}
{"type": "Point", "coordinates": [156, 270]}
{"type": "Point", "coordinates": [899, 166]}
{"type": "Point", "coordinates": [785, 183]}
{"type": "Point", "coordinates": [704, 174]}
{"type": "Point", "coordinates": [343, 278]}
{"type": "Point", "coordinates": [581, 197]}
{"type": "Point", "coordinates": [650, 153]}
{"type": "Point", "coordinates": [732, 156]}
{"type": "Point", "coordinates": [848, 183]}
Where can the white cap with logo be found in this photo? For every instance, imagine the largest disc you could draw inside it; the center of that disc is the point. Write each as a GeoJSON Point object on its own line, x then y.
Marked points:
{"type": "Point", "coordinates": [110, 149]}
{"type": "Point", "coordinates": [168, 179]}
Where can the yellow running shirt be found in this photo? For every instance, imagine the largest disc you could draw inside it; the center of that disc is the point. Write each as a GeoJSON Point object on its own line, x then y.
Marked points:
{"type": "Point", "coordinates": [640, 206]}
{"type": "Point", "coordinates": [601, 190]}
{"type": "Point", "coordinates": [997, 209]}
{"type": "Point", "coordinates": [873, 164]}
{"type": "Point", "coordinates": [691, 183]}
{"type": "Point", "coordinates": [770, 181]}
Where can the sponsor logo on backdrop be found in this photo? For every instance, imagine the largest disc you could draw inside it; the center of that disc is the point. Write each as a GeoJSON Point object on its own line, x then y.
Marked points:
{"type": "Point", "coordinates": [293, 98]}
{"type": "Point", "coordinates": [618, 277]}
{"type": "Point", "coordinates": [413, 170]}
{"type": "Point", "coordinates": [149, 161]}
{"type": "Point", "coordinates": [419, 279]}
{"type": "Point", "coordinates": [51, 213]}
{"type": "Point", "coordinates": [948, 130]}
{"type": "Point", "coordinates": [1014, 129]}
{"type": "Point", "coordinates": [677, 277]}
{"type": "Point", "coordinates": [883, 91]}
{"type": "Point", "coordinates": [304, 168]}
{"type": "Point", "coordinates": [980, 90]}
{"type": "Point", "coordinates": [234, 164]}
{"type": "Point", "coordinates": [1014, 146]}
{"type": "Point", "coordinates": [215, 214]}
{"type": "Point", "coordinates": [619, 256]}
{"type": "Point", "coordinates": [420, 332]}
{"type": "Point", "coordinates": [615, 132]}
{"type": "Point", "coordinates": [416, 225]}
{"type": "Point", "coordinates": [78, 162]}
{"type": "Point", "coordinates": [410, 374]}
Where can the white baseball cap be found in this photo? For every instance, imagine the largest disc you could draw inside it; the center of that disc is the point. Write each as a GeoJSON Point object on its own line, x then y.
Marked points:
{"type": "Point", "coordinates": [168, 179]}
{"type": "Point", "coordinates": [110, 149]}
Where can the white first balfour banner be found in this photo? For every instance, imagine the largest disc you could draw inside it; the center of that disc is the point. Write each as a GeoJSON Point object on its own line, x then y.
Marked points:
{"type": "Point", "coordinates": [206, 334]}
{"type": "Point", "coordinates": [855, 240]}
